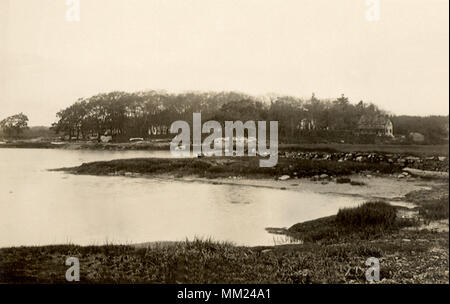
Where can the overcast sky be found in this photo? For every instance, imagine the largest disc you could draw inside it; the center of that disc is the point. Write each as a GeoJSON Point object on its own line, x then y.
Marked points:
{"type": "Point", "coordinates": [254, 46]}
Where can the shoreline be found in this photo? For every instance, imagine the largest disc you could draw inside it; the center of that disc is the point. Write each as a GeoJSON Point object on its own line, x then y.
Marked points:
{"type": "Point", "coordinates": [151, 146]}
{"type": "Point", "coordinates": [317, 166]}
{"type": "Point", "coordinates": [412, 248]}
{"type": "Point", "coordinates": [380, 187]}
{"type": "Point", "coordinates": [414, 254]}
{"type": "Point", "coordinates": [164, 144]}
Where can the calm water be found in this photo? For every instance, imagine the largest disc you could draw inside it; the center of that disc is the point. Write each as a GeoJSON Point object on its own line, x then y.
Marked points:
{"type": "Point", "coordinates": [38, 207]}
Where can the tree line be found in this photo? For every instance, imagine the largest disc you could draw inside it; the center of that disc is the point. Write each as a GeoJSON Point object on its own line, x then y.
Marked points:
{"type": "Point", "coordinates": [15, 125]}
{"type": "Point", "coordinates": [134, 114]}
{"type": "Point", "coordinates": [434, 128]}
{"type": "Point", "coordinates": [147, 114]}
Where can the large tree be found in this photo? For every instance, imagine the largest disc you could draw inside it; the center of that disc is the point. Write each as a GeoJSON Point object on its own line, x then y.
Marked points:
{"type": "Point", "coordinates": [13, 126]}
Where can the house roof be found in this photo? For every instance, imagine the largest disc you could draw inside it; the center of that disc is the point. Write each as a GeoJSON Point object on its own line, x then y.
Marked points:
{"type": "Point", "coordinates": [373, 122]}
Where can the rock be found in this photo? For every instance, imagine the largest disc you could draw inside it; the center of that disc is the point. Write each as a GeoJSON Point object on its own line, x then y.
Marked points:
{"type": "Point", "coordinates": [356, 183]}
{"type": "Point", "coordinates": [442, 158]}
{"type": "Point", "coordinates": [324, 176]}
{"type": "Point", "coordinates": [401, 175]}
{"type": "Point", "coordinates": [412, 158]}
{"type": "Point", "coordinates": [343, 180]}
{"type": "Point", "coordinates": [426, 174]}
{"type": "Point", "coordinates": [301, 277]}
{"type": "Point", "coordinates": [315, 178]}
{"type": "Point", "coordinates": [359, 159]}
{"type": "Point", "coordinates": [283, 188]}
{"type": "Point", "coordinates": [284, 177]}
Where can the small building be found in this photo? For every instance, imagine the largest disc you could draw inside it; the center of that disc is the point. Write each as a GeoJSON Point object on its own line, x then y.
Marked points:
{"type": "Point", "coordinates": [375, 125]}
{"type": "Point", "coordinates": [306, 124]}
{"type": "Point", "coordinates": [416, 137]}
{"type": "Point", "coordinates": [158, 130]}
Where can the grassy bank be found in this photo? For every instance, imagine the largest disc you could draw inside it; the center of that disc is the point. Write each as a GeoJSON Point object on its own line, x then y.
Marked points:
{"type": "Point", "coordinates": [212, 262]}
{"type": "Point", "coordinates": [371, 220]}
{"type": "Point", "coordinates": [211, 167]}
{"type": "Point", "coordinates": [407, 253]}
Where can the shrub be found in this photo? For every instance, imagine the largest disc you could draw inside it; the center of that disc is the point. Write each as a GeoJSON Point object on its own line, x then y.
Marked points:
{"type": "Point", "coordinates": [369, 214]}
{"type": "Point", "coordinates": [356, 183]}
{"type": "Point", "coordinates": [435, 209]}
{"type": "Point", "coordinates": [343, 180]}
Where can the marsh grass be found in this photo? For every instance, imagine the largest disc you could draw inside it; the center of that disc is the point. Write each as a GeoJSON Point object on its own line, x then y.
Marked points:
{"type": "Point", "coordinates": [436, 209]}
{"type": "Point", "coordinates": [432, 205]}
{"type": "Point", "coordinates": [225, 166]}
{"type": "Point", "coordinates": [367, 221]}
{"type": "Point", "coordinates": [370, 214]}
{"type": "Point", "coordinates": [208, 261]}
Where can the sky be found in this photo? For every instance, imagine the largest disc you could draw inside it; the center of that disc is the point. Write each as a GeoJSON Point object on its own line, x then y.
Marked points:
{"type": "Point", "coordinates": [295, 47]}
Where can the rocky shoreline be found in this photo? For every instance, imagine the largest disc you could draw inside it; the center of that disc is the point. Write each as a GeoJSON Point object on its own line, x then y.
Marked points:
{"type": "Point", "coordinates": [431, 163]}
{"type": "Point", "coordinates": [317, 166]}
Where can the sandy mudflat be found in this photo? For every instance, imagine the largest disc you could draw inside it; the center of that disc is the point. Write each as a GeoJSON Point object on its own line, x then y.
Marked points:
{"type": "Point", "coordinates": [387, 187]}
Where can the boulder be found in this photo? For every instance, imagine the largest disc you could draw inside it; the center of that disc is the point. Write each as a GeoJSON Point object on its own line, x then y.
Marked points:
{"type": "Point", "coordinates": [343, 180]}
{"type": "Point", "coordinates": [426, 174]}
{"type": "Point", "coordinates": [412, 159]}
{"type": "Point", "coordinates": [315, 178]}
{"type": "Point", "coordinates": [324, 176]}
{"type": "Point", "coordinates": [356, 183]}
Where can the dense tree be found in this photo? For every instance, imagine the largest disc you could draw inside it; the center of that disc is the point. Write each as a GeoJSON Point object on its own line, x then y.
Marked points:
{"type": "Point", "coordinates": [15, 125]}
{"type": "Point", "coordinates": [434, 128]}
{"type": "Point", "coordinates": [125, 115]}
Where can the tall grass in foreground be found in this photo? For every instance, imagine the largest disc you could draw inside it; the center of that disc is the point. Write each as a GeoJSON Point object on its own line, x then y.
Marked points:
{"type": "Point", "coordinates": [436, 209]}
{"type": "Point", "coordinates": [367, 221]}
{"type": "Point", "coordinates": [370, 214]}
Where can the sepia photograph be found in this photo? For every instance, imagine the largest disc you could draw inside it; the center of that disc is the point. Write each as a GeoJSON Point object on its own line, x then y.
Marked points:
{"type": "Point", "coordinates": [236, 144]}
